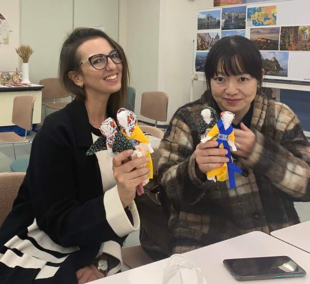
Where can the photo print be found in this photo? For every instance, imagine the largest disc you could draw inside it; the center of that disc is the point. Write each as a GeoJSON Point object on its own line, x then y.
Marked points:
{"type": "Point", "coordinates": [209, 19]}
{"type": "Point", "coordinates": [233, 33]}
{"type": "Point", "coordinates": [206, 40]}
{"type": "Point", "coordinates": [266, 38]}
{"type": "Point", "coordinates": [295, 38]}
{"type": "Point", "coordinates": [262, 16]}
{"type": "Point", "coordinates": [200, 61]}
{"type": "Point", "coordinates": [233, 18]}
{"type": "Point", "coordinates": [275, 63]}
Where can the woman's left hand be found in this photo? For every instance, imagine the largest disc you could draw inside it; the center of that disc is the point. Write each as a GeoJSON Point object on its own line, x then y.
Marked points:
{"type": "Point", "coordinates": [88, 274]}
{"type": "Point", "coordinates": [244, 141]}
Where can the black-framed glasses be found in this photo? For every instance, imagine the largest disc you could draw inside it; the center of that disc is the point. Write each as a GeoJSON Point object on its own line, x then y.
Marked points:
{"type": "Point", "coordinates": [100, 61]}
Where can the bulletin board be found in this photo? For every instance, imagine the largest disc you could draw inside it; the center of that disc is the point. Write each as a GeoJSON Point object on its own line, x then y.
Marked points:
{"type": "Point", "coordinates": [9, 34]}
{"type": "Point", "coordinates": [280, 30]}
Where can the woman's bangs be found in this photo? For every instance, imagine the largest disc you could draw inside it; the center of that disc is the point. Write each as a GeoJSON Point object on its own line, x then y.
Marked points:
{"type": "Point", "coordinates": [231, 66]}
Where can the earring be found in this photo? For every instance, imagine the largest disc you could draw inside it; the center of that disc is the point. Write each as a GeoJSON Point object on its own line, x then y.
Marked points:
{"type": "Point", "coordinates": [81, 86]}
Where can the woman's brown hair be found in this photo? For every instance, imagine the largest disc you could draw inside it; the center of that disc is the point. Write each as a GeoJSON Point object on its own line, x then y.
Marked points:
{"type": "Point", "coordinates": [70, 61]}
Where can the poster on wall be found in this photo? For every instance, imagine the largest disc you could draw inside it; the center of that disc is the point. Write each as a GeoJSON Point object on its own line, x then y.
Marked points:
{"type": "Point", "coordinates": [206, 40]}
{"type": "Point", "coordinates": [262, 16]}
{"type": "Point", "coordinates": [9, 34]}
{"type": "Point", "coordinates": [275, 63]}
{"type": "Point", "coordinates": [233, 18]}
{"type": "Point", "coordinates": [266, 38]}
{"type": "Point", "coordinates": [209, 19]}
{"type": "Point", "coordinates": [295, 38]}
{"type": "Point", "coordinates": [233, 33]}
{"type": "Point", "coordinates": [200, 61]}
{"type": "Point", "coordinates": [218, 3]}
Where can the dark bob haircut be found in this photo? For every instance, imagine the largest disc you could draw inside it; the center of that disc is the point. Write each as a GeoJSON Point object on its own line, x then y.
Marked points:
{"type": "Point", "coordinates": [70, 61]}
{"type": "Point", "coordinates": [234, 55]}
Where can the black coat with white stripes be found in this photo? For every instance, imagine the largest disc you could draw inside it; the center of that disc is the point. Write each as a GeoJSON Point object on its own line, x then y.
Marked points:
{"type": "Point", "coordinates": [63, 192]}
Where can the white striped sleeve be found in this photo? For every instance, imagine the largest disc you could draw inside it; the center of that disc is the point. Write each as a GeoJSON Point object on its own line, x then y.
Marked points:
{"type": "Point", "coordinates": [116, 215]}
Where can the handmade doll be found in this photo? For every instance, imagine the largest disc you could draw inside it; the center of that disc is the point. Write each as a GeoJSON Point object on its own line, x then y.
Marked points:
{"type": "Point", "coordinates": [127, 121]}
{"type": "Point", "coordinates": [208, 120]}
{"type": "Point", "coordinates": [112, 139]}
{"type": "Point", "coordinates": [224, 133]}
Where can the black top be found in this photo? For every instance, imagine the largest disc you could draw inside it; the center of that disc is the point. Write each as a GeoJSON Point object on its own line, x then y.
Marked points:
{"type": "Point", "coordinates": [246, 119]}
{"type": "Point", "coordinates": [63, 190]}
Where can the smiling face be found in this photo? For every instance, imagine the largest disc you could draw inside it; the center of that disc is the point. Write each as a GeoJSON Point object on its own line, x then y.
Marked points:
{"type": "Point", "coordinates": [98, 82]}
{"type": "Point", "coordinates": [234, 93]}
{"type": "Point", "coordinates": [233, 72]}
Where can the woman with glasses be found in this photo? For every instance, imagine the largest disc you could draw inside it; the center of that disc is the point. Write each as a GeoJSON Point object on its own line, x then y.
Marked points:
{"type": "Point", "coordinates": [272, 151]}
{"type": "Point", "coordinates": [74, 211]}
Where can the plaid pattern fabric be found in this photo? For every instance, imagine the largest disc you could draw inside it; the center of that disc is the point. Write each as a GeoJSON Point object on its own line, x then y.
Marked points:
{"type": "Point", "coordinates": [204, 212]}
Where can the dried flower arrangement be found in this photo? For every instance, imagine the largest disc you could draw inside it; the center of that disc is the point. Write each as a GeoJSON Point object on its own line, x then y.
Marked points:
{"type": "Point", "coordinates": [24, 51]}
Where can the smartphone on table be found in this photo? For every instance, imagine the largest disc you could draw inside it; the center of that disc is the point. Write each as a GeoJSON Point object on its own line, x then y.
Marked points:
{"type": "Point", "coordinates": [256, 268]}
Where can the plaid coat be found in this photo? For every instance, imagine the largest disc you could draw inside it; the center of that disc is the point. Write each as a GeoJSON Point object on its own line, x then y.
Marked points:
{"type": "Point", "coordinates": [204, 212]}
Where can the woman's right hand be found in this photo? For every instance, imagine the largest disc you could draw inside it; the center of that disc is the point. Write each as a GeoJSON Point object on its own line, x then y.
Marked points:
{"type": "Point", "coordinates": [208, 157]}
{"type": "Point", "coordinates": [88, 274]}
{"type": "Point", "coordinates": [128, 175]}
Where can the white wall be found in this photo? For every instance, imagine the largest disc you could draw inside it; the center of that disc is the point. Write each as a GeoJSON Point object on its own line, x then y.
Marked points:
{"type": "Point", "coordinates": [140, 38]}
{"type": "Point", "coordinates": [9, 28]}
{"type": "Point", "coordinates": [159, 44]}
{"type": "Point", "coordinates": [45, 24]}
{"type": "Point", "coordinates": [98, 14]}
{"type": "Point", "coordinates": [177, 26]}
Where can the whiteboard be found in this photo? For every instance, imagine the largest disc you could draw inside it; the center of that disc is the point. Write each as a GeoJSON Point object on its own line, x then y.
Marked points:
{"type": "Point", "coordinates": [289, 13]}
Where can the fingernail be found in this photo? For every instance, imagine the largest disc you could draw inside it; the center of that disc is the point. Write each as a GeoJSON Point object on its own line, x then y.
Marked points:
{"type": "Point", "coordinates": [148, 159]}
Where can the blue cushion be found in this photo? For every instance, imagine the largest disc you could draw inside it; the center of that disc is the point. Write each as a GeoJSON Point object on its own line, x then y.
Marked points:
{"type": "Point", "coordinates": [20, 165]}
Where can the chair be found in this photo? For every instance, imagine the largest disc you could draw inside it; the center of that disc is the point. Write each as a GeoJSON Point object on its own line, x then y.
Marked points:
{"type": "Point", "coordinates": [154, 105]}
{"type": "Point", "coordinates": [135, 256]}
{"type": "Point", "coordinates": [53, 90]}
{"type": "Point", "coordinates": [22, 117]}
{"type": "Point", "coordinates": [20, 165]}
{"type": "Point", "coordinates": [156, 135]}
{"type": "Point", "coordinates": [153, 131]}
{"type": "Point", "coordinates": [131, 99]}
{"type": "Point", "coordinates": [9, 186]}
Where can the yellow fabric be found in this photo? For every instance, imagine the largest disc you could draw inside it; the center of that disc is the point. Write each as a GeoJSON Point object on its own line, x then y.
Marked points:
{"type": "Point", "coordinates": [213, 131]}
{"type": "Point", "coordinates": [138, 135]}
{"type": "Point", "coordinates": [231, 136]}
{"type": "Point", "coordinates": [220, 173]}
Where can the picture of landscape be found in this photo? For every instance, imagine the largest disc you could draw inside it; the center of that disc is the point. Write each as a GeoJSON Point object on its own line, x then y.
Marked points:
{"type": "Point", "coordinates": [295, 38]}
{"type": "Point", "coordinates": [236, 2]}
{"type": "Point", "coordinates": [233, 33]}
{"type": "Point", "coordinates": [275, 63]}
{"type": "Point", "coordinates": [200, 61]}
{"type": "Point", "coordinates": [206, 40]}
{"type": "Point", "coordinates": [233, 18]}
{"type": "Point", "coordinates": [266, 38]}
{"type": "Point", "coordinates": [209, 20]}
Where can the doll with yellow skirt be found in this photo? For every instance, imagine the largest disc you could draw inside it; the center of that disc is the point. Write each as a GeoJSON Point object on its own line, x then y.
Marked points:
{"type": "Point", "coordinates": [223, 133]}
{"type": "Point", "coordinates": [127, 120]}
{"type": "Point", "coordinates": [127, 135]}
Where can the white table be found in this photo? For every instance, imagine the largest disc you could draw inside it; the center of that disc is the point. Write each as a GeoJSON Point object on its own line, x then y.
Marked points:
{"type": "Point", "coordinates": [297, 235]}
{"type": "Point", "coordinates": [210, 260]}
{"type": "Point", "coordinates": [7, 95]}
